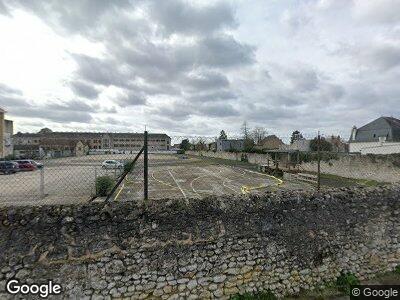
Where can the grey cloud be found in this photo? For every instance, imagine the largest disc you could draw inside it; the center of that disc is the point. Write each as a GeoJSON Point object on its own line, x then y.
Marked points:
{"type": "Point", "coordinates": [176, 16]}
{"type": "Point", "coordinates": [11, 97]}
{"type": "Point", "coordinates": [206, 80]}
{"type": "Point", "coordinates": [383, 11]}
{"type": "Point", "coordinates": [101, 71]}
{"type": "Point", "coordinates": [214, 96]}
{"type": "Point", "coordinates": [303, 79]}
{"type": "Point", "coordinates": [71, 106]}
{"type": "Point", "coordinates": [85, 90]}
{"type": "Point", "coordinates": [5, 89]}
{"type": "Point", "coordinates": [224, 51]}
{"type": "Point", "coordinates": [183, 110]}
{"type": "Point", "coordinates": [293, 21]}
{"type": "Point", "coordinates": [59, 116]}
{"type": "Point", "coordinates": [218, 110]}
{"type": "Point", "coordinates": [130, 98]}
{"type": "Point", "coordinates": [74, 16]}
{"type": "Point", "coordinates": [3, 9]}
{"type": "Point", "coordinates": [385, 57]}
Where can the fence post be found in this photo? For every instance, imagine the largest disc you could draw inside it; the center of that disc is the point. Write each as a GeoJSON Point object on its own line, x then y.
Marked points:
{"type": "Point", "coordinates": [319, 162]}
{"type": "Point", "coordinates": [95, 180]}
{"type": "Point", "coordinates": [41, 186]}
{"type": "Point", "coordinates": [146, 167]}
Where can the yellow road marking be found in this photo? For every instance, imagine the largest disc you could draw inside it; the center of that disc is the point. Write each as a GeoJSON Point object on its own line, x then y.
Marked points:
{"type": "Point", "coordinates": [247, 189]}
{"type": "Point", "coordinates": [119, 192]}
{"type": "Point", "coordinates": [162, 182]}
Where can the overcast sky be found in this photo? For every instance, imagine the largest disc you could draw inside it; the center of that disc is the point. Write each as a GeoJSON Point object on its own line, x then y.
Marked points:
{"type": "Point", "coordinates": [196, 67]}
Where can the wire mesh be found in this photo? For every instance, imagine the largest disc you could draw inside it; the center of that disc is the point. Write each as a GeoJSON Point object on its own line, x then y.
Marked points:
{"type": "Point", "coordinates": [203, 170]}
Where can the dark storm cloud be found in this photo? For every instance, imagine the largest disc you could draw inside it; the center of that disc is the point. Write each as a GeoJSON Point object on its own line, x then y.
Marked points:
{"type": "Point", "coordinates": [85, 90]}
{"type": "Point", "coordinates": [176, 16]}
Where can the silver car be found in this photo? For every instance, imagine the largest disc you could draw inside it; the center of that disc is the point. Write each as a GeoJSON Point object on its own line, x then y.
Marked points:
{"type": "Point", "coordinates": [112, 164]}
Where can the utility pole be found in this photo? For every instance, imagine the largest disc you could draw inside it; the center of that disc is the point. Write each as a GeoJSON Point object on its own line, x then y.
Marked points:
{"type": "Point", "coordinates": [319, 162]}
{"type": "Point", "coordinates": [146, 167]}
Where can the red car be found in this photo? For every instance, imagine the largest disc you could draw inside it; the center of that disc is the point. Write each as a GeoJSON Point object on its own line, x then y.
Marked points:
{"type": "Point", "coordinates": [26, 165]}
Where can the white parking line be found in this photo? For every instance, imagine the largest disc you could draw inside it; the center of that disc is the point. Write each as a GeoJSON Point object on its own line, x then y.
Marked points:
{"type": "Point", "coordinates": [179, 187]}
{"type": "Point", "coordinates": [219, 177]}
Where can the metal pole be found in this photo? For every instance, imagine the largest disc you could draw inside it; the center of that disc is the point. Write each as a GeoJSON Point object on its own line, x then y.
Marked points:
{"type": "Point", "coordinates": [146, 167]}
{"type": "Point", "coordinates": [95, 180]}
{"type": "Point", "coordinates": [124, 175]}
{"type": "Point", "coordinates": [42, 183]}
{"type": "Point", "coordinates": [319, 162]}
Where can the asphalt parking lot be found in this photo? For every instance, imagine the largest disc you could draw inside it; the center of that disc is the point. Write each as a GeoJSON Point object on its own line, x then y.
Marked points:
{"type": "Point", "coordinates": [72, 180]}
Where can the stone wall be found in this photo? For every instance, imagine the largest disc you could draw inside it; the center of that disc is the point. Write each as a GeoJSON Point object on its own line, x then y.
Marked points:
{"type": "Point", "coordinates": [210, 248]}
{"type": "Point", "coordinates": [253, 158]}
{"type": "Point", "coordinates": [379, 168]}
{"type": "Point", "coordinates": [361, 167]}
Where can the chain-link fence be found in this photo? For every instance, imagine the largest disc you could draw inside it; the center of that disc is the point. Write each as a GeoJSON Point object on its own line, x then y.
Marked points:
{"type": "Point", "coordinates": [194, 167]}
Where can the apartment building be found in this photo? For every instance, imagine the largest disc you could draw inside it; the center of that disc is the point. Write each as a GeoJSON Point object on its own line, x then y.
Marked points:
{"type": "Point", "coordinates": [48, 140]}
{"type": "Point", "coordinates": [6, 132]}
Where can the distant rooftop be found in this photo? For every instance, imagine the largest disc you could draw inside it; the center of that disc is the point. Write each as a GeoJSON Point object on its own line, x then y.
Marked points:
{"type": "Point", "coordinates": [89, 134]}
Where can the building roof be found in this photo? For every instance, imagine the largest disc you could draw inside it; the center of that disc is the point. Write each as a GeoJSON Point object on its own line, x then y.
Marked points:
{"type": "Point", "coordinates": [88, 135]}
{"type": "Point", "coordinates": [26, 147]}
{"type": "Point", "coordinates": [2, 110]}
{"type": "Point", "coordinates": [393, 122]}
{"type": "Point", "coordinates": [388, 127]}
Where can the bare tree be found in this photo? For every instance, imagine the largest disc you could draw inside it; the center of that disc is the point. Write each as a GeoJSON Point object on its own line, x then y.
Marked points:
{"type": "Point", "coordinates": [259, 133]}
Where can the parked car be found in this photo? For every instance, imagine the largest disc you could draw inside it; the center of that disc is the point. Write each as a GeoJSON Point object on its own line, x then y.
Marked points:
{"type": "Point", "coordinates": [26, 165]}
{"type": "Point", "coordinates": [37, 164]}
{"type": "Point", "coordinates": [112, 164]}
{"type": "Point", "coordinates": [8, 167]}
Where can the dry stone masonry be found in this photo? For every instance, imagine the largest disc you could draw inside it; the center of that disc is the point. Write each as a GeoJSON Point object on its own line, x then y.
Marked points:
{"type": "Point", "coordinates": [211, 248]}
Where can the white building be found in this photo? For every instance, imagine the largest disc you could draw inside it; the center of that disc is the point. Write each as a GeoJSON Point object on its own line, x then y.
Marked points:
{"type": "Point", "coordinates": [6, 132]}
{"type": "Point", "coordinates": [381, 136]}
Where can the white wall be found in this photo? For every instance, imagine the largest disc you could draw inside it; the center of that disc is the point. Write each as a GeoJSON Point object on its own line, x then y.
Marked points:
{"type": "Point", "coordinates": [375, 147]}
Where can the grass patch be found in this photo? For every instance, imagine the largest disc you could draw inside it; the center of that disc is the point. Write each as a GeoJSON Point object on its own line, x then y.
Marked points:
{"type": "Point", "coordinates": [397, 270]}
{"type": "Point", "coordinates": [345, 281]}
{"type": "Point", "coordinates": [338, 181]}
{"type": "Point", "coordinates": [268, 295]}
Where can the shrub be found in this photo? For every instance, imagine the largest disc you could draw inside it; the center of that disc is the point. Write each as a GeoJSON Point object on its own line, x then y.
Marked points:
{"type": "Point", "coordinates": [345, 280]}
{"type": "Point", "coordinates": [104, 184]}
{"type": "Point", "coordinates": [128, 166]}
{"type": "Point", "coordinates": [397, 270]}
{"type": "Point", "coordinates": [258, 296]}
